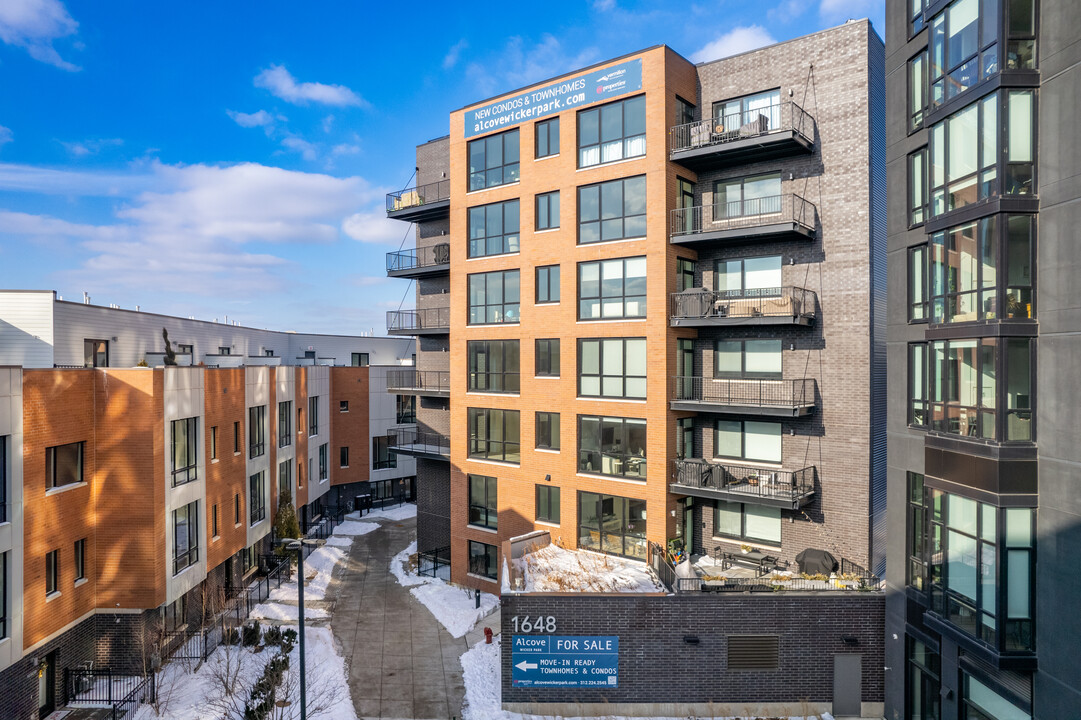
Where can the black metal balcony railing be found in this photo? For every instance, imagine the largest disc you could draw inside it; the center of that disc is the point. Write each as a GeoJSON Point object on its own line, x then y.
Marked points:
{"type": "Point", "coordinates": [775, 302]}
{"type": "Point", "coordinates": [750, 484]}
{"type": "Point", "coordinates": [411, 379]}
{"type": "Point", "coordinates": [411, 441]}
{"type": "Point", "coordinates": [781, 117]}
{"type": "Point", "coordinates": [789, 395]}
{"type": "Point", "coordinates": [750, 214]}
{"type": "Point", "coordinates": [431, 256]}
{"type": "Point", "coordinates": [412, 321]}
{"type": "Point", "coordinates": [417, 196]}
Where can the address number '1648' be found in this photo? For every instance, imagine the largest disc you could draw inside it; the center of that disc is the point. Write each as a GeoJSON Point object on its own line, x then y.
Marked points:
{"type": "Point", "coordinates": [541, 624]}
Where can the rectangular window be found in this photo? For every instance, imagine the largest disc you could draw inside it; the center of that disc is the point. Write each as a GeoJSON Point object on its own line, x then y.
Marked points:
{"type": "Point", "coordinates": [359, 360]}
{"type": "Point", "coordinates": [748, 440]}
{"type": "Point", "coordinates": [749, 277]}
{"type": "Point", "coordinates": [80, 560]}
{"type": "Point", "coordinates": [186, 536]}
{"type": "Point", "coordinates": [493, 366]}
{"type": "Point", "coordinates": [494, 297]}
{"type": "Point", "coordinates": [548, 504]}
{"type": "Point", "coordinates": [547, 357]}
{"type": "Point", "coordinates": [964, 272]}
{"type": "Point", "coordinates": [548, 430]}
{"type": "Point", "coordinates": [916, 571]}
{"type": "Point", "coordinates": [747, 522]}
{"type": "Point", "coordinates": [612, 367]}
{"type": "Point", "coordinates": [382, 457]}
{"type": "Point", "coordinates": [917, 184]}
{"type": "Point", "coordinates": [405, 409]}
{"type": "Point", "coordinates": [343, 406]}
{"type": "Point", "coordinates": [285, 482]}
{"type": "Point", "coordinates": [917, 284]}
{"type": "Point", "coordinates": [256, 431]}
{"type": "Point", "coordinates": [174, 615]}
{"type": "Point", "coordinates": [214, 442]}
{"type": "Point", "coordinates": [52, 572]}
{"type": "Point", "coordinates": [612, 289]}
{"type": "Point", "coordinates": [482, 502]}
{"type": "Point", "coordinates": [981, 702]}
{"type": "Point", "coordinates": [225, 350]}
{"type": "Point", "coordinates": [483, 559]}
{"type": "Point", "coordinates": [684, 112]}
{"type": "Point", "coordinates": [494, 229]}
{"type": "Point", "coordinates": [324, 461]}
{"type": "Point", "coordinates": [495, 435]}
{"type": "Point", "coordinates": [747, 359]}
{"type": "Point", "coordinates": [917, 384]}
{"type": "Point", "coordinates": [964, 391]}
{"type": "Point", "coordinates": [963, 49]}
{"type": "Point", "coordinates": [685, 272]}
{"type": "Point", "coordinates": [64, 465]}
{"type": "Point", "coordinates": [95, 353]}
{"type": "Point", "coordinates": [185, 456]}
{"type": "Point", "coordinates": [344, 456]}
{"type": "Point", "coordinates": [916, 8]}
{"type": "Point", "coordinates": [743, 197]}
{"type": "Point", "coordinates": [493, 161]}
{"type": "Point", "coordinates": [313, 416]}
{"type": "Point", "coordinates": [612, 132]}
{"type": "Point", "coordinates": [548, 284]}
{"type": "Point", "coordinates": [4, 490]}
{"type": "Point", "coordinates": [236, 437]}
{"type": "Point", "coordinates": [1021, 35]}
{"type": "Point", "coordinates": [285, 423]}
{"type": "Point", "coordinates": [236, 509]}
{"type": "Point", "coordinates": [547, 216]}
{"type": "Point", "coordinates": [917, 90]}
{"type": "Point", "coordinates": [547, 134]}
{"type": "Point", "coordinates": [613, 210]}
{"type": "Point", "coordinates": [4, 583]}
{"type": "Point", "coordinates": [214, 521]}
{"type": "Point", "coordinates": [612, 524]}
{"type": "Point", "coordinates": [612, 446]}
{"type": "Point", "coordinates": [257, 497]}
{"type": "Point", "coordinates": [749, 115]}
{"type": "Point", "coordinates": [923, 682]}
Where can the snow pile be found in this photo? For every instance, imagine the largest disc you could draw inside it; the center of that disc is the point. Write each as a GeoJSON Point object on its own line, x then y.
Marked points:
{"type": "Point", "coordinates": [286, 613]}
{"type": "Point", "coordinates": [454, 607]}
{"type": "Point", "coordinates": [318, 568]}
{"type": "Point", "coordinates": [337, 541]}
{"type": "Point", "coordinates": [402, 512]}
{"type": "Point", "coordinates": [553, 569]}
{"type": "Point", "coordinates": [353, 528]}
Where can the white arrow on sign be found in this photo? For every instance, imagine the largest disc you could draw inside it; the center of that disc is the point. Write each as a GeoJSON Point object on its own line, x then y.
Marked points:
{"type": "Point", "coordinates": [526, 665]}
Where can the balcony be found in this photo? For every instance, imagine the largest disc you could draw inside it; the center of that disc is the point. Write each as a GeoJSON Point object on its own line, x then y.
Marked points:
{"type": "Point", "coordinates": [426, 383]}
{"type": "Point", "coordinates": [788, 489]}
{"type": "Point", "coordinates": [777, 217]}
{"type": "Point", "coordinates": [698, 307]}
{"type": "Point", "coordinates": [424, 202]}
{"type": "Point", "coordinates": [744, 396]}
{"type": "Point", "coordinates": [429, 321]}
{"type": "Point", "coordinates": [764, 133]}
{"type": "Point", "coordinates": [420, 444]}
{"type": "Point", "coordinates": [422, 262]}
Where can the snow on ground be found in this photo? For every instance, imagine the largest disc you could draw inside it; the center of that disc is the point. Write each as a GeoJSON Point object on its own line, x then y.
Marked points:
{"type": "Point", "coordinates": [187, 695]}
{"type": "Point", "coordinates": [402, 512]}
{"type": "Point", "coordinates": [336, 541]}
{"type": "Point", "coordinates": [553, 569]}
{"type": "Point", "coordinates": [286, 613]}
{"type": "Point", "coordinates": [352, 527]}
{"type": "Point", "coordinates": [318, 568]}
{"type": "Point", "coordinates": [480, 673]}
{"type": "Point", "coordinates": [454, 607]}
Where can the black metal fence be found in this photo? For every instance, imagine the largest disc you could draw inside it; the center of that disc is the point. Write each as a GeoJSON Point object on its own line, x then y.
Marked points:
{"type": "Point", "coordinates": [419, 258]}
{"type": "Point", "coordinates": [789, 484]}
{"type": "Point", "coordinates": [417, 196]}
{"type": "Point", "coordinates": [85, 687]}
{"type": "Point", "coordinates": [434, 563]}
{"type": "Point", "coordinates": [657, 559]}
{"type": "Point", "coordinates": [777, 117]}
{"type": "Point", "coordinates": [741, 214]}
{"type": "Point", "coordinates": [425, 380]}
{"type": "Point", "coordinates": [411, 439]}
{"type": "Point", "coordinates": [402, 321]}
{"type": "Point", "coordinates": [699, 303]}
{"type": "Point", "coordinates": [753, 392]}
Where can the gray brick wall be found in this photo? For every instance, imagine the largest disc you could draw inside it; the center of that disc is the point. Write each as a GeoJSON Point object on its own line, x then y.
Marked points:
{"type": "Point", "coordinates": [433, 504]}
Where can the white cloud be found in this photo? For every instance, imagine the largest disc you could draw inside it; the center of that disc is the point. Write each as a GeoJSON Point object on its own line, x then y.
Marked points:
{"type": "Point", "coordinates": [345, 149]}
{"type": "Point", "coordinates": [839, 10]}
{"type": "Point", "coordinates": [735, 41]}
{"type": "Point", "coordinates": [90, 147]}
{"type": "Point", "coordinates": [786, 11]}
{"type": "Point", "coordinates": [6, 136]}
{"type": "Point", "coordinates": [34, 24]}
{"type": "Point", "coordinates": [249, 120]}
{"type": "Point", "coordinates": [46, 181]}
{"type": "Point", "coordinates": [603, 5]}
{"type": "Point", "coordinates": [328, 123]}
{"type": "Point", "coordinates": [283, 85]}
{"type": "Point", "coordinates": [518, 64]}
{"type": "Point", "coordinates": [451, 58]}
{"type": "Point", "coordinates": [306, 149]}
{"type": "Point", "coordinates": [373, 227]}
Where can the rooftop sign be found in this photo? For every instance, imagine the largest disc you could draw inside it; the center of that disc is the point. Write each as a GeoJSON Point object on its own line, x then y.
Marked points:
{"type": "Point", "coordinates": [591, 87]}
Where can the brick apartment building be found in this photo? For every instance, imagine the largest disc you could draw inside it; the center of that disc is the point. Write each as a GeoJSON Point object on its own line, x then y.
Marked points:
{"type": "Point", "coordinates": [132, 497]}
{"type": "Point", "coordinates": [650, 304]}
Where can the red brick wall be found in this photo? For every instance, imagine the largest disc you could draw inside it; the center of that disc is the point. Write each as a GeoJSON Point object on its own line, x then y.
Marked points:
{"type": "Point", "coordinates": [225, 477]}
{"type": "Point", "coordinates": [349, 429]}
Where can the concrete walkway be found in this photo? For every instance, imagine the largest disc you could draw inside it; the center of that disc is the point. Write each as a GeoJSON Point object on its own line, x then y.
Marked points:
{"type": "Point", "coordinates": [401, 662]}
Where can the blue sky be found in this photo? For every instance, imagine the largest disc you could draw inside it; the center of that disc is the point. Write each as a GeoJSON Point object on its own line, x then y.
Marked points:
{"type": "Point", "coordinates": [232, 158]}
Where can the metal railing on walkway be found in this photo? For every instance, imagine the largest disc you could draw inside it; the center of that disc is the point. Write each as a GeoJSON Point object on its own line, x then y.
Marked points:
{"type": "Point", "coordinates": [404, 321]}
{"type": "Point", "coordinates": [418, 258]}
{"type": "Point", "coordinates": [743, 214]}
{"type": "Point", "coordinates": [702, 304]}
{"type": "Point", "coordinates": [783, 116]}
{"type": "Point", "coordinates": [423, 380]}
{"type": "Point", "coordinates": [434, 563]}
{"type": "Point", "coordinates": [751, 482]}
{"type": "Point", "coordinates": [418, 196]}
{"type": "Point", "coordinates": [121, 692]}
{"type": "Point", "coordinates": [750, 392]}
{"type": "Point", "coordinates": [413, 440]}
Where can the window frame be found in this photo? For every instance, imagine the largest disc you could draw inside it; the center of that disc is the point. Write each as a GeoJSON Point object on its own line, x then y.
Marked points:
{"type": "Point", "coordinates": [602, 301]}
{"type": "Point", "coordinates": [918, 76]}
{"type": "Point", "coordinates": [324, 462]}
{"type": "Point", "coordinates": [5, 583]}
{"type": "Point", "coordinates": [743, 533]}
{"type": "Point", "coordinates": [190, 556]}
{"type": "Point", "coordinates": [477, 349]}
{"type": "Point", "coordinates": [490, 567]}
{"type": "Point", "coordinates": [627, 142]}
{"type": "Point", "coordinates": [917, 187]}
{"type": "Point", "coordinates": [547, 279]}
{"type": "Point", "coordinates": [510, 242]}
{"type": "Point", "coordinates": [383, 458]}
{"type": "Point", "coordinates": [508, 312]}
{"type": "Point", "coordinates": [79, 557]}
{"type": "Point", "coordinates": [360, 359]}
{"type": "Point", "coordinates": [686, 272]}
{"type": "Point", "coordinates": [405, 409]}
{"type": "Point", "coordinates": [285, 423]}
{"type": "Point", "coordinates": [257, 431]}
{"type": "Point", "coordinates": [620, 436]}
{"type": "Point", "coordinates": [548, 492]}
{"type": "Point", "coordinates": [93, 351]}
{"type": "Point", "coordinates": [986, 55]}
{"type": "Point", "coordinates": [548, 201]}
{"type": "Point", "coordinates": [546, 129]}
{"type": "Point", "coordinates": [743, 291]}
{"type": "Point", "coordinates": [546, 357]}
{"type": "Point", "coordinates": [484, 514]}
{"type": "Point", "coordinates": [285, 480]}
{"type": "Point", "coordinates": [601, 376]}
{"type": "Point", "coordinates": [773, 107]}
{"type": "Point", "coordinates": [601, 221]}
{"type": "Point", "coordinates": [343, 456]}
{"type": "Point", "coordinates": [743, 373]}
{"type": "Point", "coordinates": [313, 415]}
{"type": "Point", "coordinates": [632, 539]}
{"type": "Point", "coordinates": [189, 471]}
{"type": "Point", "coordinates": [507, 419]}
{"type": "Point", "coordinates": [51, 466]}
{"type": "Point", "coordinates": [507, 139]}
{"type": "Point", "coordinates": [743, 442]}
{"type": "Point", "coordinates": [549, 439]}
{"type": "Point", "coordinates": [257, 498]}
{"type": "Point", "coordinates": [919, 294]}
{"type": "Point", "coordinates": [52, 573]}
{"type": "Point", "coordinates": [765, 205]}
{"type": "Point", "coordinates": [918, 391]}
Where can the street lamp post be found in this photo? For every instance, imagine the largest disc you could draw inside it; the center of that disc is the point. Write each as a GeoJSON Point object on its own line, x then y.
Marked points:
{"type": "Point", "coordinates": [299, 548]}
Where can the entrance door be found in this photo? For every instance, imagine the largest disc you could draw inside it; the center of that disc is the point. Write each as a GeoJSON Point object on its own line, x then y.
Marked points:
{"type": "Point", "coordinates": [685, 369]}
{"type": "Point", "coordinates": [847, 685]}
{"type": "Point", "coordinates": [688, 525]}
{"type": "Point", "coordinates": [47, 686]}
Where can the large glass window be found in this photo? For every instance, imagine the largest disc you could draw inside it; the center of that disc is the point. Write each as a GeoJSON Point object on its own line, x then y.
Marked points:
{"type": "Point", "coordinates": [382, 457]}
{"type": "Point", "coordinates": [63, 465]}
{"type": "Point", "coordinates": [547, 286]}
{"type": "Point", "coordinates": [917, 384]}
{"type": "Point", "coordinates": [95, 353]}
{"type": "Point", "coordinates": [916, 570]}
{"type": "Point", "coordinates": [747, 359]}
{"type": "Point", "coordinates": [1020, 259]}
{"type": "Point", "coordinates": [612, 367]}
{"type": "Point", "coordinates": [493, 161]}
{"type": "Point", "coordinates": [547, 215]}
{"type": "Point", "coordinates": [747, 522]}
{"type": "Point", "coordinates": [917, 283]}
{"type": "Point", "coordinates": [4, 583]}
{"type": "Point", "coordinates": [405, 409]}
{"type": "Point", "coordinates": [483, 559]}
{"type": "Point", "coordinates": [612, 132]}
{"type": "Point", "coordinates": [964, 272]}
{"type": "Point", "coordinates": [612, 289]}
{"type": "Point", "coordinates": [547, 138]}
{"type": "Point", "coordinates": [917, 185]}
{"type": "Point", "coordinates": [495, 435]}
{"type": "Point", "coordinates": [612, 446]}
{"type": "Point", "coordinates": [285, 423]}
{"type": "Point", "coordinates": [493, 366]}
{"type": "Point", "coordinates": [749, 277]}
{"type": "Point", "coordinates": [493, 229]}
{"type": "Point", "coordinates": [613, 210]}
{"type": "Point", "coordinates": [324, 461]}
{"type": "Point", "coordinates": [257, 497]}
{"type": "Point", "coordinates": [547, 430]}
{"type": "Point", "coordinates": [982, 703]}
{"type": "Point", "coordinates": [285, 478]}
{"type": "Point", "coordinates": [4, 490]}
{"type": "Point", "coordinates": [494, 297]}
{"type": "Point", "coordinates": [185, 444]}
{"type": "Point", "coordinates": [546, 357]}
{"type": "Point", "coordinates": [52, 572]}
{"type": "Point", "coordinates": [482, 502]}
{"type": "Point", "coordinates": [548, 503]}
{"type": "Point", "coordinates": [313, 415]}
{"type": "Point", "coordinates": [924, 686]}
{"type": "Point", "coordinates": [748, 440]}
{"type": "Point", "coordinates": [753, 113]}
{"type": "Point", "coordinates": [740, 197]}
{"type": "Point", "coordinates": [256, 431]}
{"type": "Point", "coordinates": [1021, 35]}
{"type": "Point", "coordinates": [964, 387]}
{"type": "Point", "coordinates": [185, 536]}
{"type": "Point", "coordinates": [963, 46]}
{"type": "Point", "coordinates": [612, 524]}
{"type": "Point", "coordinates": [917, 90]}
